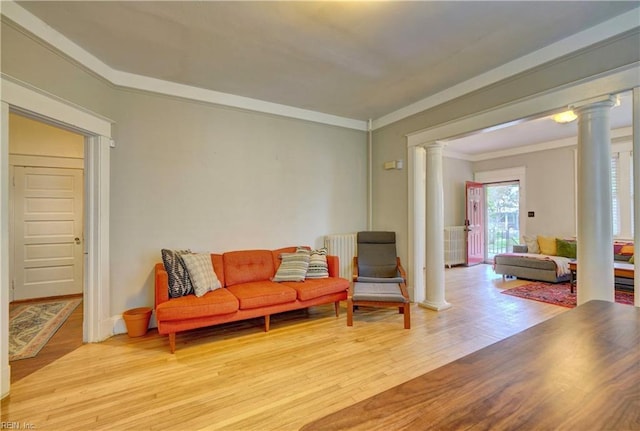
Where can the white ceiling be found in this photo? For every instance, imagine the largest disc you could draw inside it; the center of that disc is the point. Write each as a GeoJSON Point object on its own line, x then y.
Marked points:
{"type": "Point", "coordinates": [357, 60]}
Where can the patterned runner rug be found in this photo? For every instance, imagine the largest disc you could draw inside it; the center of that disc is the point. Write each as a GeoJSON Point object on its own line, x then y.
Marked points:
{"type": "Point", "coordinates": [32, 325]}
{"type": "Point", "coordinates": [558, 294]}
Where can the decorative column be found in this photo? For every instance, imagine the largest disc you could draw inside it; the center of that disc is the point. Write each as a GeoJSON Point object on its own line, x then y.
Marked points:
{"type": "Point", "coordinates": [417, 224]}
{"type": "Point", "coordinates": [595, 220]}
{"type": "Point", "coordinates": [435, 230]}
{"type": "Point", "coordinates": [636, 186]}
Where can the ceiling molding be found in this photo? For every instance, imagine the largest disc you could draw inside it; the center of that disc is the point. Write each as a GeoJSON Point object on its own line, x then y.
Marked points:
{"type": "Point", "coordinates": [610, 28]}
{"type": "Point", "coordinates": [610, 82]}
{"type": "Point", "coordinates": [42, 30]}
{"type": "Point", "coordinates": [621, 135]}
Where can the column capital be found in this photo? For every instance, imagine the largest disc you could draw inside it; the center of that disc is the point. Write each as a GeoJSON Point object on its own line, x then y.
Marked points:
{"type": "Point", "coordinates": [597, 102]}
{"type": "Point", "coordinates": [435, 145]}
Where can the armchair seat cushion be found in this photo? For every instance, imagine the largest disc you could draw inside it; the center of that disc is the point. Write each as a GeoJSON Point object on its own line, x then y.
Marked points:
{"type": "Point", "coordinates": [382, 292]}
{"type": "Point", "coordinates": [380, 280]}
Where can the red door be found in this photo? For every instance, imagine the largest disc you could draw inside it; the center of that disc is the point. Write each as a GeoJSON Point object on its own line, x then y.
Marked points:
{"type": "Point", "coordinates": [475, 223]}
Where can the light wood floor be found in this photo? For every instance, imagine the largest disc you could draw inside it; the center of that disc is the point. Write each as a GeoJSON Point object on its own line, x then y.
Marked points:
{"type": "Point", "coordinates": [237, 377]}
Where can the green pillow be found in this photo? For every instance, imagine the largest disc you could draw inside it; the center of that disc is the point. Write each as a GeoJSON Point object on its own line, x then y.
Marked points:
{"type": "Point", "coordinates": [631, 259]}
{"type": "Point", "coordinates": [566, 248]}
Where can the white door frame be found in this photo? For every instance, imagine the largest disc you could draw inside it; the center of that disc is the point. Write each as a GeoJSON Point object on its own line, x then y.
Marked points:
{"type": "Point", "coordinates": [612, 82]}
{"type": "Point", "coordinates": [33, 102]}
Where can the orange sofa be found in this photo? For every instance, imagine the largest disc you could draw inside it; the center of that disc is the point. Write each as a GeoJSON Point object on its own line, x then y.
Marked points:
{"type": "Point", "coordinates": [247, 292]}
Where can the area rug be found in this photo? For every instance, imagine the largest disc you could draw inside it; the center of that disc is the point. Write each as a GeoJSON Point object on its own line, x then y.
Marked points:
{"type": "Point", "coordinates": [32, 325]}
{"type": "Point", "coordinates": [558, 294]}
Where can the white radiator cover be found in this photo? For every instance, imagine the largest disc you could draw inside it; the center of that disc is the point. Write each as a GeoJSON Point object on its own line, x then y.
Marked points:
{"type": "Point", "coordinates": [344, 246]}
{"type": "Point", "coordinates": [455, 245]}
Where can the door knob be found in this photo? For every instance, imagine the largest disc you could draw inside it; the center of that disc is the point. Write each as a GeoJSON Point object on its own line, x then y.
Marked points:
{"type": "Point", "coordinates": [77, 240]}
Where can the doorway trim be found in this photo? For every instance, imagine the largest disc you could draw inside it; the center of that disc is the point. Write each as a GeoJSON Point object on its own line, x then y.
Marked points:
{"type": "Point", "coordinates": [611, 82]}
{"type": "Point", "coordinates": [26, 99]}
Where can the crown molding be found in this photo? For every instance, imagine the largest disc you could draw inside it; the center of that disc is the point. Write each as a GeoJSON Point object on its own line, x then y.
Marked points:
{"type": "Point", "coordinates": [42, 30]}
{"type": "Point", "coordinates": [605, 30]}
{"type": "Point", "coordinates": [583, 39]}
{"type": "Point", "coordinates": [618, 136]}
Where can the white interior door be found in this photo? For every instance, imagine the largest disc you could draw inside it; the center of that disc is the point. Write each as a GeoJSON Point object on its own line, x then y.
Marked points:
{"type": "Point", "coordinates": [48, 232]}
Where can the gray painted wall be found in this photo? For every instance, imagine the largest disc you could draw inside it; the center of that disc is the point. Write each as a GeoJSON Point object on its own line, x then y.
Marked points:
{"type": "Point", "coordinates": [549, 189]}
{"type": "Point", "coordinates": [455, 172]}
{"type": "Point", "coordinates": [390, 142]}
{"type": "Point", "coordinates": [213, 179]}
{"type": "Point", "coordinates": [187, 174]}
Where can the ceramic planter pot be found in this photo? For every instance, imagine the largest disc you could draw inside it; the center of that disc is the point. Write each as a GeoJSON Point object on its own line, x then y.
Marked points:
{"type": "Point", "coordinates": [137, 321]}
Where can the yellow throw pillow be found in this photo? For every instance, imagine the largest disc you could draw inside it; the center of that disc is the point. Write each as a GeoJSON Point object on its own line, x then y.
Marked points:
{"type": "Point", "coordinates": [547, 245]}
{"type": "Point", "coordinates": [627, 250]}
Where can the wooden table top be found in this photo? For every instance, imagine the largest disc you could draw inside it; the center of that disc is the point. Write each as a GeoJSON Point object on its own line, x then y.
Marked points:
{"type": "Point", "coordinates": [577, 371]}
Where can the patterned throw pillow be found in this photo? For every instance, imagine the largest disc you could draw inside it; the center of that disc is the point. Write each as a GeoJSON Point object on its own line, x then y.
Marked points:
{"type": "Point", "coordinates": [201, 273]}
{"type": "Point", "coordinates": [179, 282]}
{"type": "Point", "coordinates": [318, 267]}
{"type": "Point", "coordinates": [293, 267]}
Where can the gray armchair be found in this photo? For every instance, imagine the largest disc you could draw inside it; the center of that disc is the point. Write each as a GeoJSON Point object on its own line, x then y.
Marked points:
{"type": "Point", "coordinates": [378, 277]}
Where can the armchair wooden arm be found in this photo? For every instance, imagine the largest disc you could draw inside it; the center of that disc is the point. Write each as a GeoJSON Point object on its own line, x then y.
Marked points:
{"type": "Point", "coordinates": [354, 272]}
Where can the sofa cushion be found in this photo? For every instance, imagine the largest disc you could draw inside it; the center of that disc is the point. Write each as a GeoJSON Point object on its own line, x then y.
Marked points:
{"type": "Point", "coordinates": [293, 267]}
{"type": "Point", "coordinates": [179, 281]}
{"type": "Point", "coordinates": [258, 294]}
{"type": "Point", "coordinates": [201, 273]}
{"type": "Point", "coordinates": [219, 301]}
{"type": "Point", "coordinates": [315, 288]}
{"type": "Point", "coordinates": [525, 261]}
{"type": "Point", "coordinates": [247, 266]}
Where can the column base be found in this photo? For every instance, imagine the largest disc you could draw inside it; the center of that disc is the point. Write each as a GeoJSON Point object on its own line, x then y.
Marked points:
{"type": "Point", "coordinates": [436, 306]}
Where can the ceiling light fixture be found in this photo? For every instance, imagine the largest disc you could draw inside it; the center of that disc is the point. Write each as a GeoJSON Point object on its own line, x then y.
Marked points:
{"type": "Point", "coordinates": [564, 117]}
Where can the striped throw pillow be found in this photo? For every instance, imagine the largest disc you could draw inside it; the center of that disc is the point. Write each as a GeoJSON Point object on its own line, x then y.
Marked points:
{"type": "Point", "coordinates": [318, 267]}
{"type": "Point", "coordinates": [293, 267]}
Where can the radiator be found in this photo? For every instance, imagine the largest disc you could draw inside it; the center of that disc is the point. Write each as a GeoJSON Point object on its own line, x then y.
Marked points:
{"type": "Point", "coordinates": [343, 246]}
{"type": "Point", "coordinates": [455, 245]}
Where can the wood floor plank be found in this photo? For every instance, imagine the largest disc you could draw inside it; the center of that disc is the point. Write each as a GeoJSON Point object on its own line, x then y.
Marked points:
{"type": "Point", "coordinates": [237, 377]}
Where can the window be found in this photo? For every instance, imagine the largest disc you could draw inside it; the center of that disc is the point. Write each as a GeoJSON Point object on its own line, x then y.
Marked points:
{"type": "Point", "coordinates": [622, 192]}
